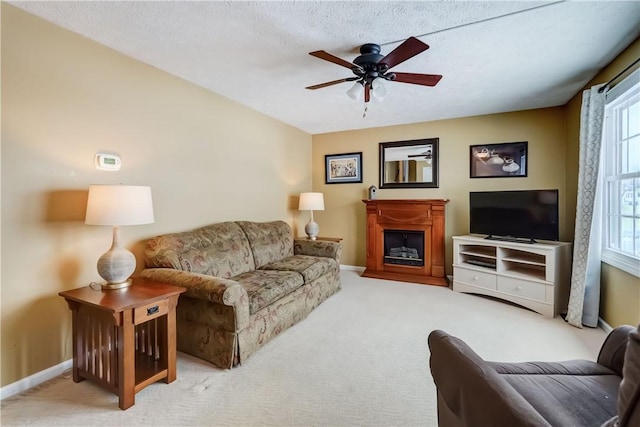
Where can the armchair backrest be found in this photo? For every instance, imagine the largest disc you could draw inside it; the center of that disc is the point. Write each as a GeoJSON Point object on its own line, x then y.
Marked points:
{"type": "Point", "coordinates": [629, 393]}
{"type": "Point", "coordinates": [613, 349]}
{"type": "Point", "coordinates": [471, 392]}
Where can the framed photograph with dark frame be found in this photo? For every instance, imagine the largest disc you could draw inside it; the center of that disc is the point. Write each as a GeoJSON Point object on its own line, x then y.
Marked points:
{"type": "Point", "coordinates": [343, 168]}
{"type": "Point", "coordinates": [504, 160]}
{"type": "Point", "coordinates": [409, 164]}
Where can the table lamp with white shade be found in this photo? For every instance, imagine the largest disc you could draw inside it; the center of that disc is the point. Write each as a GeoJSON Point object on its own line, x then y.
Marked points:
{"type": "Point", "coordinates": [311, 202]}
{"type": "Point", "coordinates": [118, 205]}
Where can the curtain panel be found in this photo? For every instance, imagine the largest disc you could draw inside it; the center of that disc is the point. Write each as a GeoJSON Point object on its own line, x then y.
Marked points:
{"type": "Point", "coordinates": [584, 298]}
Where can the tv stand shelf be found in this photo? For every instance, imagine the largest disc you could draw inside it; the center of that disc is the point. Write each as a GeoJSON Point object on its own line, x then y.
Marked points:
{"type": "Point", "coordinates": [533, 275]}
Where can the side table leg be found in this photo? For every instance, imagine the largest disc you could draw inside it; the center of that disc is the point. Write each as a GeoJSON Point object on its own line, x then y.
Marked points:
{"type": "Point", "coordinates": [78, 341]}
{"type": "Point", "coordinates": [126, 362]}
{"type": "Point", "coordinates": [170, 344]}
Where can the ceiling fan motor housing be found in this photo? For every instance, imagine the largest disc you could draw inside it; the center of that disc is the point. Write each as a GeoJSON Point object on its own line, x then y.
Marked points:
{"type": "Point", "coordinates": [369, 64]}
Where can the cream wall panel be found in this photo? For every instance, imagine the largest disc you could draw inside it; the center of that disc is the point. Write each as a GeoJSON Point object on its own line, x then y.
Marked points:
{"type": "Point", "coordinates": [344, 213]}
{"type": "Point", "coordinates": [619, 297]}
{"type": "Point", "coordinates": [64, 98]}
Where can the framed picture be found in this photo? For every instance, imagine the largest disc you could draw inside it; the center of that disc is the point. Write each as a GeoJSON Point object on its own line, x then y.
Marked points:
{"type": "Point", "coordinates": [503, 160]}
{"type": "Point", "coordinates": [343, 168]}
{"type": "Point", "coordinates": [409, 164]}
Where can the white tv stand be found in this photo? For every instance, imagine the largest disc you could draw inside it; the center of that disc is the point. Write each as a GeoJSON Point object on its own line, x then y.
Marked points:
{"type": "Point", "coordinates": [533, 275]}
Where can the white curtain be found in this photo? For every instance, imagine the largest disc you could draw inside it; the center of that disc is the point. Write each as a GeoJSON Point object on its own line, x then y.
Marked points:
{"type": "Point", "coordinates": [584, 299]}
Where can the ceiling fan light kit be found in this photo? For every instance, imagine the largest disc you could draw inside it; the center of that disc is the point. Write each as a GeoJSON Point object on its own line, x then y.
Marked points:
{"type": "Point", "coordinates": [378, 89]}
{"type": "Point", "coordinates": [356, 91]}
{"type": "Point", "coordinates": [371, 69]}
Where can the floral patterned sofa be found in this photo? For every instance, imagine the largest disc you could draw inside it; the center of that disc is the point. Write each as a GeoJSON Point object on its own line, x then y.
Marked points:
{"type": "Point", "coordinates": [246, 283]}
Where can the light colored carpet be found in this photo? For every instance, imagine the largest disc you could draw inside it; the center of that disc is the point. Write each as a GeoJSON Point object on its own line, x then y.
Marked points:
{"type": "Point", "coordinates": [360, 359]}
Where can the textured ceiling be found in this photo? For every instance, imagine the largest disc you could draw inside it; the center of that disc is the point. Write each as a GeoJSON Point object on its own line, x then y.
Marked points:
{"type": "Point", "coordinates": [256, 53]}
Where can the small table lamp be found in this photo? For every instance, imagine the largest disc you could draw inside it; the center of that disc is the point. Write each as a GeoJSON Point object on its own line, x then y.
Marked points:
{"type": "Point", "coordinates": [311, 202]}
{"type": "Point", "coordinates": [118, 205]}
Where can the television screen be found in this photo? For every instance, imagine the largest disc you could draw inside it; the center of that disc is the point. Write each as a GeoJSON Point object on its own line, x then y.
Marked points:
{"type": "Point", "coordinates": [527, 214]}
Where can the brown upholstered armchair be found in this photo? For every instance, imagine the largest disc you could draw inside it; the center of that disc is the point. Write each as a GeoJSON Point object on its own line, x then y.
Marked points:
{"type": "Point", "coordinates": [474, 392]}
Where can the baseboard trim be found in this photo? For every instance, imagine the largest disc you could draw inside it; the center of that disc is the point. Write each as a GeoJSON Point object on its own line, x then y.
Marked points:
{"type": "Point", "coordinates": [351, 268]}
{"type": "Point", "coordinates": [35, 379]}
{"type": "Point", "coordinates": [604, 325]}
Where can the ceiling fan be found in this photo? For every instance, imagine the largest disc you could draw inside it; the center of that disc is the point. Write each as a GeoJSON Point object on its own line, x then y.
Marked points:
{"type": "Point", "coordinates": [371, 69]}
{"type": "Point", "coordinates": [427, 155]}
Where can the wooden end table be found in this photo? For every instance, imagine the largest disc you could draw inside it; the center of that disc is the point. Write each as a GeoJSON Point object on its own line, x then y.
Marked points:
{"type": "Point", "coordinates": [330, 239]}
{"type": "Point", "coordinates": [124, 339]}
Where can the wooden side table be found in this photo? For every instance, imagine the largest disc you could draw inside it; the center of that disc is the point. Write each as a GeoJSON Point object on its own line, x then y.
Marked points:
{"type": "Point", "coordinates": [124, 339]}
{"type": "Point", "coordinates": [330, 239]}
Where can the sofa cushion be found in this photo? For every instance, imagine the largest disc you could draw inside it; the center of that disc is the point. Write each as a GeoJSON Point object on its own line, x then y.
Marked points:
{"type": "Point", "coordinates": [311, 267]}
{"type": "Point", "coordinates": [220, 250]}
{"type": "Point", "coordinates": [569, 400]}
{"type": "Point", "coordinates": [267, 286]}
{"type": "Point", "coordinates": [270, 241]}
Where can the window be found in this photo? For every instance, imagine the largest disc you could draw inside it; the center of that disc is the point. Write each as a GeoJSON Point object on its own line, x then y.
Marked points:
{"type": "Point", "coordinates": [621, 176]}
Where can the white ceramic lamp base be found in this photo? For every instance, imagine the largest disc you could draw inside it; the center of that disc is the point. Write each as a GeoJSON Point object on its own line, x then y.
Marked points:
{"type": "Point", "coordinates": [116, 265]}
{"type": "Point", "coordinates": [312, 229]}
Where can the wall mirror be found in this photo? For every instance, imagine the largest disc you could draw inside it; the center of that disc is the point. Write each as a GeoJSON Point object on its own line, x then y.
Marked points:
{"type": "Point", "coordinates": [409, 164]}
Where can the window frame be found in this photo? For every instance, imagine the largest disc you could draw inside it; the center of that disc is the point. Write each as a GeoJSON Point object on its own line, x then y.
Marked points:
{"type": "Point", "coordinates": [621, 96]}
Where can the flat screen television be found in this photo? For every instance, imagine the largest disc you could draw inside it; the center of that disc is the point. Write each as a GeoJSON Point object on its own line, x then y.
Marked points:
{"type": "Point", "coordinates": [526, 215]}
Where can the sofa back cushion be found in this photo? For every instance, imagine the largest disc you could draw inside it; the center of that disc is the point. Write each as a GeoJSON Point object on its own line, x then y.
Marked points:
{"type": "Point", "coordinates": [270, 241]}
{"type": "Point", "coordinates": [220, 250]}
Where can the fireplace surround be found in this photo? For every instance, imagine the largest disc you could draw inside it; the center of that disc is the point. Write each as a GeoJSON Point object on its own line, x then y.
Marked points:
{"type": "Point", "coordinates": [405, 240]}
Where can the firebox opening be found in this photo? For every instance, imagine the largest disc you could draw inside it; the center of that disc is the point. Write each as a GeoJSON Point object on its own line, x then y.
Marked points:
{"type": "Point", "coordinates": [404, 247]}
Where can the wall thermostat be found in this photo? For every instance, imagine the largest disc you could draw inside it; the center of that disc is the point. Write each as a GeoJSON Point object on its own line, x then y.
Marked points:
{"type": "Point", "coordinates": [107, 161]}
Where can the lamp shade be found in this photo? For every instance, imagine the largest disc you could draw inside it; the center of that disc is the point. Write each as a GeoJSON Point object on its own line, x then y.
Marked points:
{"type": "Point", "coordinates": [119, 205]}
{"type": "Point", "coordinates": [311, 202]}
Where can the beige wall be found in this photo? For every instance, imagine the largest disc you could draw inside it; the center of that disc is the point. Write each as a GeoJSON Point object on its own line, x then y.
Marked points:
{"type": "Point", "coordinates": [64, 98]}
{"type": "Point", "coordinates": [620, 291]}
{"type": "Point", "coordinates": [344, 213]}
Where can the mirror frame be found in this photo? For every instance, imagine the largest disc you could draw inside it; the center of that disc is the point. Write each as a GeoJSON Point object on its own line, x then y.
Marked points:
{"type": "Point", "coordinates": [384, 146]}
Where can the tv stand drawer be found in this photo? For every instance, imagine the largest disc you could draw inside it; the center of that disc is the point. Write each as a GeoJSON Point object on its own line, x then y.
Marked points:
{"type": "Point", "coordinates": [475, 278]}
{"type": "Point", "coordinates": [522, 288]}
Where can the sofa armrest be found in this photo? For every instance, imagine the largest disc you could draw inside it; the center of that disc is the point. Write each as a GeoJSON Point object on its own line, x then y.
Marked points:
{"type": "Point", "coordinates": [215, 290]}
{"type": "Point", "coordinates": [472, 393]}
{"type": "Point", "coordinates": [317, 248]}
{"type": "Point", "coordinates": [614, 347]}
